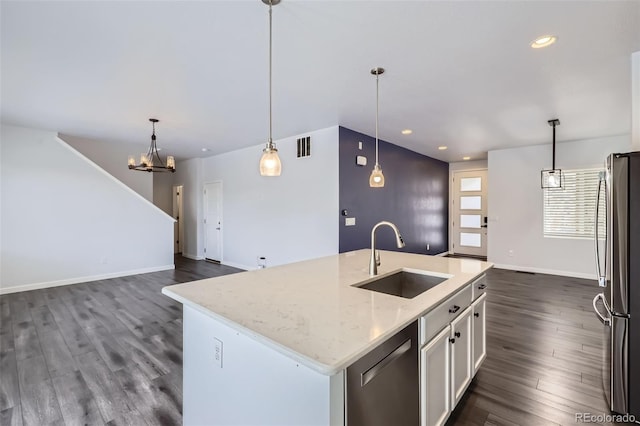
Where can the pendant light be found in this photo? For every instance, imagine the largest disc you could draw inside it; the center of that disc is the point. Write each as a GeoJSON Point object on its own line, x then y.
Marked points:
{"type": "Point", "coordinates": [270, 162]}
{"type": "Point", "coordinates": [552, 179]}
{"type": "Point", "coordinates": [147, 162]}
{"type": "Point", "coordinates": [376, 180]}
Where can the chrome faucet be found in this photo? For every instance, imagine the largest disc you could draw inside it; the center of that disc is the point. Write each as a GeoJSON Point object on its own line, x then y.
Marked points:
{"type": "Point", "coordinates": [374, 262]}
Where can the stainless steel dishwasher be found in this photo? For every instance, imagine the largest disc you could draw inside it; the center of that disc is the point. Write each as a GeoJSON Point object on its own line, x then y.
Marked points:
{"type": "Point", "coordinates": [383, 386]}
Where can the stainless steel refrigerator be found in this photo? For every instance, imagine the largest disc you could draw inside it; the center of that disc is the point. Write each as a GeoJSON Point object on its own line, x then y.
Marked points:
{"type": "Point", "coordinates": [618, 266]}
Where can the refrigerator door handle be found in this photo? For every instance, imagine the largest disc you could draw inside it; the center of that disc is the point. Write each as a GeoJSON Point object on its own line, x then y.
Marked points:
{"type": "Point", "coordinates": [606, 321]}
{"type": "Point", "coordinates": [602, 279]}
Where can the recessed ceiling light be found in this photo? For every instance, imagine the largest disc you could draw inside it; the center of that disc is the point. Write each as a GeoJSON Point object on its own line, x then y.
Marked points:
{"type": "Point", "coordinates": [543, 41]}
{"type": "Point", "coordinates": [442, 148]}
{"type": "Point", "coordinates": [205, 149]}
{"type": "Point", "coordinates": [407, 131]}
{"type": "Point", "coordinates": [466, 158]}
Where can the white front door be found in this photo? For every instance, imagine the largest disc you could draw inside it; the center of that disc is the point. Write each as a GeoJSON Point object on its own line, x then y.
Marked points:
{"type": "Point", "coordinates": [213, 221]}
{"type": "Point", "coordinates": [469, 213]}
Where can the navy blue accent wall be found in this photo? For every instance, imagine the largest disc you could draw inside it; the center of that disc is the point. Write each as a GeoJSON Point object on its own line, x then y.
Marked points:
{"type": "Point", "coordinates": [415, 196]}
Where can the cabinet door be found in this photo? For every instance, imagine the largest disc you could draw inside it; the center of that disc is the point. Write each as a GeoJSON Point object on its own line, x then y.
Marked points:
{"type": "Point", "coordinates": [461, 361]}
{"type": "Point", "coordinates": [479, 324]}
{"type": "Point", "coordinates": [435, 394]}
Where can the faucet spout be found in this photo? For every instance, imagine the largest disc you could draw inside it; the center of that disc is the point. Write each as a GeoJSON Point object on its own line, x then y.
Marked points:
{"type": "Point", "coordinates": [374, 261]}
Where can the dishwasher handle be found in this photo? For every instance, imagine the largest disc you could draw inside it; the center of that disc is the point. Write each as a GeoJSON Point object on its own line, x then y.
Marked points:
{"type": "Point", "coordinates": [371, 373]}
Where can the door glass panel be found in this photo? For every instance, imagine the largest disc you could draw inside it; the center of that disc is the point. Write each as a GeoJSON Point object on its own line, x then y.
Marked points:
{"type": "Point", "coordinates": [470, 220]}
{"type": "Point", "coordinates": [470, 240]}
{"type": "Point", "coordinates": [471, 203]}
{"type": "Point", "coordinates": [471, 184]}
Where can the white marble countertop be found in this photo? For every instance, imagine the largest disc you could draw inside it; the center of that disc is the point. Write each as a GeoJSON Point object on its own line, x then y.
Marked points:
{"type": "Point", "coordinates": [310, 310]}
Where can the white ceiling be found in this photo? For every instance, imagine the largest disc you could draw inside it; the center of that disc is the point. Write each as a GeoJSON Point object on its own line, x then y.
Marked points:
{"type": "Point", "coordinates": [459, 74]}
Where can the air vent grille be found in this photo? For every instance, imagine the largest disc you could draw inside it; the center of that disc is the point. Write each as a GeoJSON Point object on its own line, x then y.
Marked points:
{"type": "Point", "coordinates": [304, 147]}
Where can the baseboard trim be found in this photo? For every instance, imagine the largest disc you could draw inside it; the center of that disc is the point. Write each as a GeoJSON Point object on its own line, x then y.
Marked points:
{"type": "Point", "coordinates": [545, 271]}
{"type": "Point", "coordinates": [78, 280]}
{"type": "Point", "coordinates": [237, 265]}
{"type": "Point", "coordinates": [192, 257]}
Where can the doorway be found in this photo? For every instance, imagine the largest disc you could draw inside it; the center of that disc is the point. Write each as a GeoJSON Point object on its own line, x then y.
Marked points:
{"type": "Point", "coordinates": [469, 213]}
{"type": "Point", "coordinates": [213, 221]}
{"type": "Point", "coordinates": [178, 226]}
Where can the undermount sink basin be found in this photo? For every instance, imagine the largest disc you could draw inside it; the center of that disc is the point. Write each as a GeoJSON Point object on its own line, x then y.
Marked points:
{"type": "Point", "coordinates": [404, 283]}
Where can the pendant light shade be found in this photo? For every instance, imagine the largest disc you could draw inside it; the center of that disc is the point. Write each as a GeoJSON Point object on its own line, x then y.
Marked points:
{"type": "Point", "coordinates": [270, 161]}
{"type": "Point", "coordinates": [552, 178]}
{"type": "Point", "coordinates": [376, 180]}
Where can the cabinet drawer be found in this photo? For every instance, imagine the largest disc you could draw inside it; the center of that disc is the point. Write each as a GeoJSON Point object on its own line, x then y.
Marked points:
{"type": "Point", "coordinates": [443, 314]}
{"type": "Point", "coordinates": [479, 287]}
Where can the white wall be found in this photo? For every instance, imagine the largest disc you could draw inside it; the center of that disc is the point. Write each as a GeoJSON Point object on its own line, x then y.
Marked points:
{"type": "Point", "coordinates": [112, 157]}
{"type": "Point", "coordinates": [635, 101]}
{"type": "Point", "coordinates": [65, 220]}
{"type": "Point", "coordinates": [287, 218]}
{"type": "Point", "coordinates": [515, 208]}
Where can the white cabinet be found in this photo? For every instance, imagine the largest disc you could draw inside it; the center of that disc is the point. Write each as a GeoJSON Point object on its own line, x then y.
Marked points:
{"type": "Point", "coordinates": [453, 336]}
{"type": "Point", "coordinates": [461, 347]}
{"type": "Point", "coordinates": [435, 362]}
{"type": "Point", "coordinates": [479, 324]}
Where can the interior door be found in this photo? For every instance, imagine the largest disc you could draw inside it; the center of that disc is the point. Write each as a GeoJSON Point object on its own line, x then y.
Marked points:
{"type": "Point", "coordinates": [469, 213]}
{"type": "Point", "coordinates": [213, 221]}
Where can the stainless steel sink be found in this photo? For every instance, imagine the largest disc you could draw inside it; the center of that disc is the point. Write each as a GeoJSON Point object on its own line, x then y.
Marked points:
{"type": "Point", "coordinates": [404, 284]}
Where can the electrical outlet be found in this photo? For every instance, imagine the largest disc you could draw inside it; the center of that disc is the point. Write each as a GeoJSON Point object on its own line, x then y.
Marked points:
{"type": "Point", "coordinates": [510, 253]}
{"type": "Point", "coordinates": [428, 247]}
{"type": "Point", "coordinates": [217, 355]}
{"type": "Point", "coordinates": [349, 221]}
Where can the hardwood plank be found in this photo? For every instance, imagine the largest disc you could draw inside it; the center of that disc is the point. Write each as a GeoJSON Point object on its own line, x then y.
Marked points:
{"type": "Point", "coordinates": [32, 371]}
{"type": "Point", "coordinates": [11, 416]}
{"type": "Point", "coordinates": [108, 346]}
{"type": "Point", "coordinates": [40, 404]}
{"type": "Point", "coordinates": [75, 338]}
{"type": "Point", "coordinates": [77, 403]}
{"type": "Point", "coordinates": [26, 340]}
{"type": "Point", "coordinates": [57, 354]}
{"type": "Point", "coordinates": [9, 384]}
{"type": "Point", "coordinates": [110, 398]}
{"type": "Point", "coordinates": [43, 319]}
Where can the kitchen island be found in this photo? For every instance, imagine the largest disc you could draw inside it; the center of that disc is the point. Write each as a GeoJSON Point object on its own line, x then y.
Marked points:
{"type": "Point", "coordinates": [272, 346]}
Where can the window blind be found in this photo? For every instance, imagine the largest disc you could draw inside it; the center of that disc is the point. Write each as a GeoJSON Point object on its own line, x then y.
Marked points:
{"type": "Point", "coordinates": [570, 213]}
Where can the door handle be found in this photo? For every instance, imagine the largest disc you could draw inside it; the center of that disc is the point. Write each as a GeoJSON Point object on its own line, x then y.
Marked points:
{"type": "Point", "coordinates": [217, 229]}
{"type": "Point", "coordinates": [455, 309]}
{"type": "Point", "coordinates": [482, 286]}
{"type": "Point", "coordinates": [605, 321]}
{"type": "Point", "coordinates": [602, 277]}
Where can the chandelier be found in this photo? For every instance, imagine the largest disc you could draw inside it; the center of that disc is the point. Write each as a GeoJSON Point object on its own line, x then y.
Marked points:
{"type": "Point", "coordinates": [151, 161]}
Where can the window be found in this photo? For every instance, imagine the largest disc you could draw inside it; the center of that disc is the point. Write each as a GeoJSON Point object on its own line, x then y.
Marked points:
{"type": "Point", "coordinates": [570, 213]}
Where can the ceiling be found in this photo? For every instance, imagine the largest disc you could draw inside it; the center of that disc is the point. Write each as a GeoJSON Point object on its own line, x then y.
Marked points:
{"type": "Point", "coordinates": [460, 74]}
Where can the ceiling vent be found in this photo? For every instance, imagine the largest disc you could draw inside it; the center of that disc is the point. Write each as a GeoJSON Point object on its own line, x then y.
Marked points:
{"type": "Point", "coordinates": [304, 147]}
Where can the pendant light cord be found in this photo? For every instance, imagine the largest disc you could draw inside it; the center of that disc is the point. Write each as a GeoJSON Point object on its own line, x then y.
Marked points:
{"type": "Point", "coordinates": [377, 106]}
{"type": "Point", "coordinates": [553, 165]}
{"type": "Point", "coordinates": [270, 83]}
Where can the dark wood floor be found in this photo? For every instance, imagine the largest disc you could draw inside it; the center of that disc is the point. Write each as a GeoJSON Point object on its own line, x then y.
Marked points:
{"type": "Point", "coordinates": [105, 352]}
{"type": "Point", "coordinates": [110, 352]}
{"type": "Point", "coordinates": [544, 353]}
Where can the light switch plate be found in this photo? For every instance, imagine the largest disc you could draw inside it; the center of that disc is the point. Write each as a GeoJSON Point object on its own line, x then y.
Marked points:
{"type": "Point", "coordinates": [349, 221]}
{"type": "Point", "coordinates": [361, 160]}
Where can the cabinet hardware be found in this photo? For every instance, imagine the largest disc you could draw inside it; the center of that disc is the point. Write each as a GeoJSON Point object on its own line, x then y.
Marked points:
{"type": "Point", "coordinates": [476, 314]}
{"type": "Point", "coordinates": [452, 340]}
{"type": "Point", "coordinates": [457, 334]}
{"type": "Point", "coordinates": [455, 309]}
{"type": "Point", "coordinates": [482, 286]}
